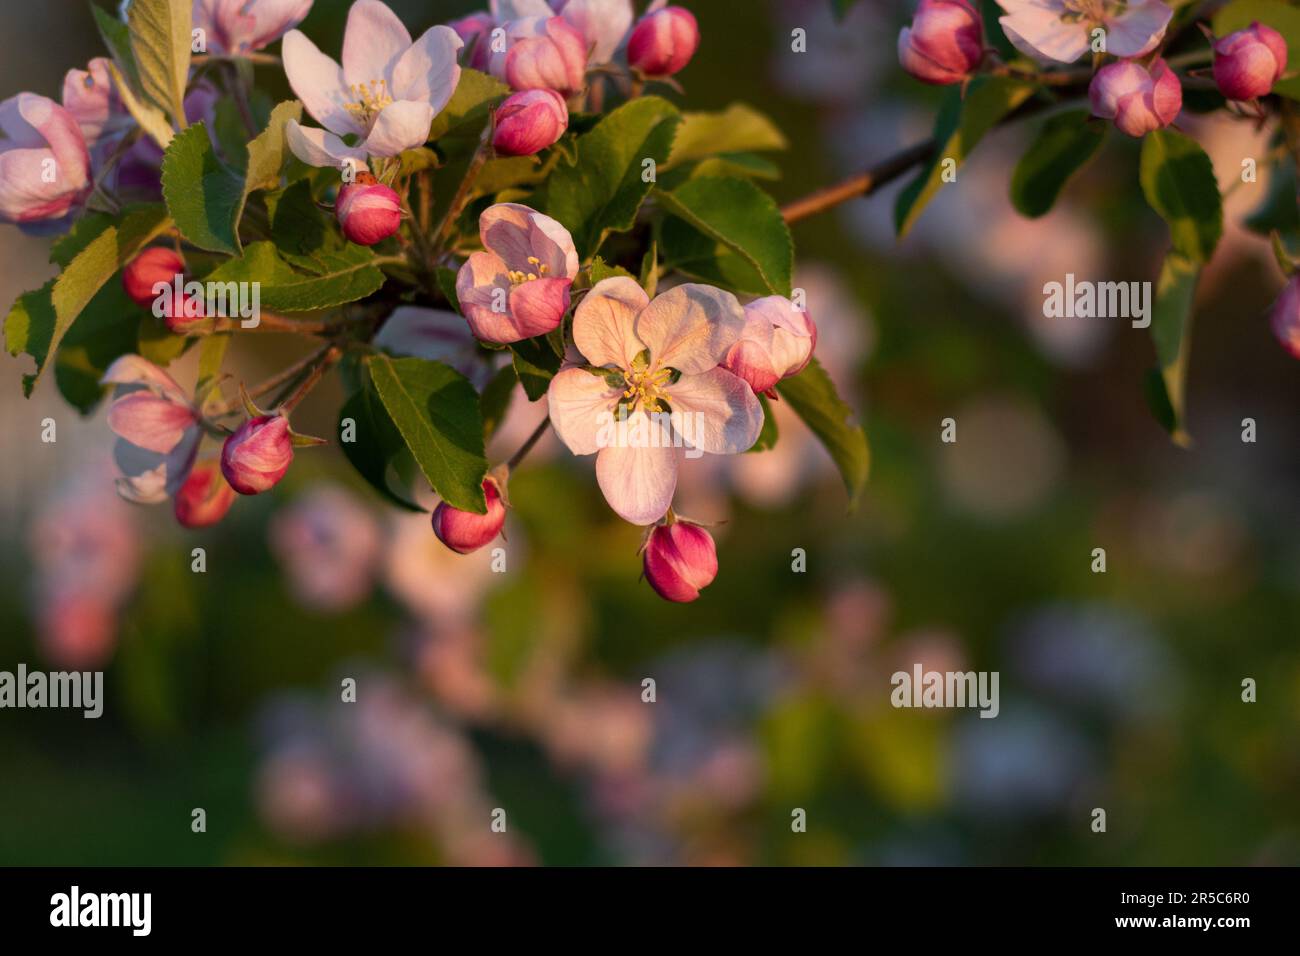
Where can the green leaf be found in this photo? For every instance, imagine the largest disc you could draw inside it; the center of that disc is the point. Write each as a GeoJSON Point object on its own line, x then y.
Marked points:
{"type": "Point", "coordinates": [1178, 182]}
{"type": "Point", "coordinates": [535, 364]}
{"type": "Point", "coordinates": [39, 320]}
{"type": "Point", "coordinates": [160, 44]}
{"type": "Point", "coordinates": [376, 442]}
{"type": "Point", "coordinates": [601, 270]}
{"type": "Point", "coordinates": [446, 279]}
{"type": "Point", "coordinates": [603, 190]}
{"type": "Point", "coordinates": [741, 217]}
{"type": "Point", "coordinates": [811, 395]}
{"type": "Point", "coordinates": [117, 40]}
{"type": "Point", "coordinates": [105, 331]}
{"type": "Point", "coordinates": [436, 409]}
{"type": "Point", "coordinates": [649, 277]}
{"type": "Point", "coordinates": [691, 252]}
{"type": "Point", "coordinates": [960, 125]}
{"type": "Point", "coordinates": [495, 400]}
{"type": "Point", "coordinates": [1279, 211]}
{"type": "Point", "coordinates": [157, 343]}
{"type": "Point", "coordinates": [205, 197]}
{"type": "Point", "coordinates": [1063, 146]}
{"type": "Point", "coordinates": [1282, 17]}
{"type": "Point", "coordinates": [333, 278]}
{"type": "Point", "coordinates": [737, 129]}
{"type": "Point", "coordinates": [300, 229]}
{"type": "Point", "coordinates": [267, 151]}
{"type": "Point", "coordinates": [1171, 324]}
{"type": "Point", "coordinates": [474, 96]}
{"type": "Point", "coordinates": [212, 353]}
{"type": "Point", "coordinates": [766, 440]}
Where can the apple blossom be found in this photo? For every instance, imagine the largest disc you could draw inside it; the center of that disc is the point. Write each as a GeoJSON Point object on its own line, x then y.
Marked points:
{"type": "Point", "coordinates": [652, 376]}
{"type": "Point", "coordinates": [386, 93]}
{"type": "Point", "coordinates": [519, 286]}
{"type": "Point", "coordinates": [238, 27]}
{"type": "Point", "coordinates": [777, 342]}
{"type": "Point", "coordinates": [545, 53]}
{"type": "Point", "coordinates": [945, 42]}
{"type": "Point", "coordinates": [1139, 99]}
{"type": "Point", "coordinates": [255, 457]}
{"type": "Point", "coordinates": [1062, 30]}
{"type": "Point", "coordinates": [603, 24]}
{"type": "Point", "coordinates": [475, 32]}
{"type": "Point", "coordinates": [205, 497]}
{"type": "Point", "coordinates": [529, 121]}
{"type": "Point", "coordinates": [1285, 318]}
{"type": "Point", "coordinates": [44, 164]}
{"type": "Point", "coordinates": [1247, 63]}
{"type": "Point", "coordinates": [367, 210]}
{"type": "Point", "coordinates": [663, 41]}
{"type": "Point", "coordinates": [679, 560]}
{"type": "Point", "coordinates": [465, 531]}
{"type": "Point", "coordinates": [100, 114]}
{"type": "Point", "coordinates": [157, 427]}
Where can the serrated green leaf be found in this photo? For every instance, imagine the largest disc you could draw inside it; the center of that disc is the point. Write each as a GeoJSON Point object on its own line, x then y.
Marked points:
{"type": "Point", "coordinates": [376, 442]}
{"type": "Point", "coordinates": [117, 40]}
{"type": "Point", "coordinates": [474, 96]}
{"type": "Point", "coordinates": [1171, 325]}
{"type": "Point", "coordinates": [160, 45]}
{"type": "Point", "coordinates": [738, 129]}
{"type": "Point", "coordinates": [962, 122]}
{"type": "Point", "coordinates": [149, 117]}
{"type": "Point", "coordinates": [1063, 146]}
{"type": "Point", "coordinates": [741, 217]}
{"type": "Point", "coordinates": [336, 277]}
{"type": "Point", "coordinates": [1282, 17]}
{"type": "Point", "coordinates": [811, 395]}
{"type": "Point", "coordinates": [267, 151]}
{"type": "Point", "coordinates": [39, 320]}
{"type": "Point", "coordinates": [300, 229]}
{"type": "Point", "coordinates": [603, 190]}
{"type": "Point", "coordinates": [437, 412]}
{"type": "Point", "coordinates": [1178, 181]}
{"type": "Point", "coordinates": [205, 197]}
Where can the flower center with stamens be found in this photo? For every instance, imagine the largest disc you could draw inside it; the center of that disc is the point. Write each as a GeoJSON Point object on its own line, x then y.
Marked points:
{"type": "Point", "coordinates": [370, 98]}
{"type": "Point", "coordinates": [645, 388]}
{"type": "Point", "coordinates": [1091, 11]}
{"type": "Point", "coordinates": [518, 277]}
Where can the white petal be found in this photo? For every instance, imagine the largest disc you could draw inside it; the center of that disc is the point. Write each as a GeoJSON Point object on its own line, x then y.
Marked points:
{"type": "Point", "coordinates": [428, 70]}
{"type": "Point", "coordinates": [581, 405]}
{"type": "Point", "coordinates": [400, 126]}
{"type": "Point", "coordinates": [716, 412]}
{"type": "Point", "coordinates": [603, 323]}
{"type": "Point", "coordinates": [372, 41]}
{"type": "Point", "coordinates": [638, 481]}
{"type": "Point", "coordinates": [690, 327]}
{"type": "Point", "coordinates": [318, 147]}
{"type": "Point", "coordinates": [318, 82]}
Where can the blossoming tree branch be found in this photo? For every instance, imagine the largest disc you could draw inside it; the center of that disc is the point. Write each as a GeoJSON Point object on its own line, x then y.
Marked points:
{"type": "Point", "coordinates": [514, 199]}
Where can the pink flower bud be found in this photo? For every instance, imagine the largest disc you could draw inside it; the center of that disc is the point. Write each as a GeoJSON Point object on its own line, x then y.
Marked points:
{"type": "Point", "coordinates": [258, 454]}
{"type": "Point", "coordinates": [554, 59]}
{"type": "Point", "coordinates": [464, 531]}
{"type": "Point", "coordinates": [475, 32]}
{"type": "Point", "coordinates": [663, 42]}
{"type": "Point", "coordinates": [529, 121]}
{"type": "Point", "coordinates": [1247, 63]}
{"type": "Point", "coordinates": [777, 341]}
{"type": "Point", "coordinates": [945, 42]}
{"type": "Point", "coordinates": [143, 273]}
{"type": "Point", "coordinates": [680, 559]}
{"type": "Point", "coordinates": [205, 497]}
{"type": "Point", "coordinates": [1286, 317]}
{"type": "Point", "coordinates": [1137, 98]}
{"type": "Point", "coordinates": [45, 174]}
{"type": "Point", "coordinates": [367, 210]}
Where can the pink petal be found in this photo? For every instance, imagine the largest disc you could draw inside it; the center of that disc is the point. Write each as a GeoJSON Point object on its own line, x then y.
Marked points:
{"type": "Point", "coordinates": [476, 283]}
{"type": "Point", "coordinates": [504, 11]}
{"type": "Point", "coordinates": [373, 40]}
{"type": "Point", "coordinates": [690, 327]}
{"type": "Point", "coordinates": [428, 71]}
{"type": "Point", "coordinates": [134, 370]}
{"type": "Point", "coordinates": [581, 404]}
{"type": "Point", "coordinates": [399, 126]}
{"type": "Point", "coordinates": [1137, 30]}
{"type": "Point", "coordinates": [150, 422]}
{"type": "Point", "coordinates": [716, 412]}
{"type": "Point", "coordinates": [318, 81]}
{"type": "Point", "coordinates": [517, 233]}
{"type": "Point", "coordinates": [603, 323]}
{"type": "Point", "coordinates": [536, 307]}
{"type": "Point", "coordinates": [638, 481]}
{"type": "Point", "coordinates": [603, 24]}
{"type": "Point", "coordinates": [1035, 28]}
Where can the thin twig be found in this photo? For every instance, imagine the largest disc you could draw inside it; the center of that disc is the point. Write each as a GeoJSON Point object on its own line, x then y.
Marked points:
{"type": "Point", "coordinates": [528, 444]}
{"type": "Point", "coordinates": [332, 354]}
{"type": "Point", "coordinates": [275, 381]}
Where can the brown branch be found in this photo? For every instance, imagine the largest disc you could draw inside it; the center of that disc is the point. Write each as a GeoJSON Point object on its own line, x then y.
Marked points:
{"type": "Point", "coordinates": [862, 184]}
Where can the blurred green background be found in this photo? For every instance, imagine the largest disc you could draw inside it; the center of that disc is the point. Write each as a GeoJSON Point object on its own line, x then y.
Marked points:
{"type": "Point", "coordinates": [522, 690]}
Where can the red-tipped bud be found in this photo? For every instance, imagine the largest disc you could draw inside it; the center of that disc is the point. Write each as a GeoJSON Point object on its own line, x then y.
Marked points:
{"type": "Point", "coordinates": [529, 121]}
{"type": "Point", "coordinates": [368, 211]}
{"type": "Point", "coordinates": [153, 266]}
{"type": "Point", "coordinates": [1247, 63]}
{"type": "Point", "coordinates": [945, 42]}
{"type": "Point", "coordinates": [258, 454]}
{"type": "Point", "coordinates": [465, 531]}
{"type": "Point", "coordinates": [680, 560]}
{"type": "Point", "coordinates": [663, 42]}
{"type": "Point", "coordinates": [205, 497]}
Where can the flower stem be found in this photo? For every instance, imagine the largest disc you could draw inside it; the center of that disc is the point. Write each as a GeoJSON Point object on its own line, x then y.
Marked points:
{"type": "Point", "coordinates": [277, 380]}
{"type": "Point", "coordinates": [528, 444]}
{"type": "Point", "coordinates": [461, 198]}
{"type": "Point", "coordinates": [331, 355]}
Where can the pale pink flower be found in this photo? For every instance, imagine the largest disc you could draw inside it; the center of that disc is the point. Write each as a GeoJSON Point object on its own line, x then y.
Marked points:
{"type": "Point", "coordinates": [603, 24]}
{"type": "Point", "coordinates": [93, 102]}
{"type": "Point", "coordinates": [45, 173]}
{"type": "Point", "coordinates": [1061, 30]}
{"type": "Point", "coordinates": [777, 342]}
{"type": "Point", "coordinates": [368, 212]}
{"type": "Point", "coordinates": [519, 286]}
{"type": "Point", "coordinates": [238, 27]}
{"type": "Point", "coordinates": [386, 93]}
{"type": "Point", "coordinates": [544, 53]}
{"type": "Point", "coordinates": [157, 427]}
{"type": "Point", "coordinates": [643, 358]}
{"type": "Point", "coordinates": [475, 31]}
{"type": "Point", "coordinates": [257, 454]}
